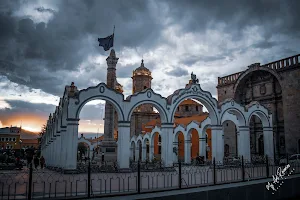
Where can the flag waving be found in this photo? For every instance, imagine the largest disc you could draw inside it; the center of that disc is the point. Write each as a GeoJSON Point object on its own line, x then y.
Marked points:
{"type": "Point", "coordinates": [107, 42]}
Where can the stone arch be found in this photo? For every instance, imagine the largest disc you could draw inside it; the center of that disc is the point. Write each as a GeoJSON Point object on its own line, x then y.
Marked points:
{"type": "Point", "coordinates": [147, 97]}
{"type": "Point", "coordinates": [232, 111]}
{"type": "Point", "coordinates": [261, 112]}
{"type": "Point", "coordinates": [190, 126]}
{"type": "Point", "coordinates": [194, 91]}
{"type": "Point", "coordinates": [82, 139]}
{"type": "Point", "coordinates": [253, 69]}
{"type": "Point", "coordinates": [99, 92]}
{"type": "Point", "coordinates": [178, 129]}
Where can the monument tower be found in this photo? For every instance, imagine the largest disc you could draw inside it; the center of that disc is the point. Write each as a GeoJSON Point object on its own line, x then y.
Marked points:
{"type": "Point", "coordinates": [109, 144]}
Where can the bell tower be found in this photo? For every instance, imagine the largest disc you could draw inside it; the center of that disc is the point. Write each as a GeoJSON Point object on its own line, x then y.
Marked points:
{"type": "Point", "coordinates": [141, 80]}
{"type": "Point", "coordinates": [109, 144]}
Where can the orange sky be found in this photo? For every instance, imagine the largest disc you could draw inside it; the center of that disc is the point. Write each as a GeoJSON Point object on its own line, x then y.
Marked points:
{"type": "Point", "coordinates": [34, 123]}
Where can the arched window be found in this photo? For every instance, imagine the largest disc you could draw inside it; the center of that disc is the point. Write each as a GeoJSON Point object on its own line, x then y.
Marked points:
{"type": "Point", "coordinates": [145, 87]}
{"type": "Point", "coordinates": [197, 109]}
{"type": "Point", "coordinates": [186, 108]}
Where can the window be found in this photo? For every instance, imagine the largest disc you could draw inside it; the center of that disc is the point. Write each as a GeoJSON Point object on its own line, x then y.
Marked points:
{"type": "Point", "coordinates": [178, 108]}
{"type": "Point", "coordinates": [186, 108]}
{"type": "Point", "coordinates": [159, 138]}
{"type": "Point", "coordinates": [197, 108]}
{"type": "Point", "coordinates": [145, 87]}
{"type": "Point", "coordinates": [14, 139]}
{"type": "Point", "coordinates": [225, 91]}
{"type": "Point", "coordinates": [10, 139]}
{"type": "Point", "coordinates": [6, 139]}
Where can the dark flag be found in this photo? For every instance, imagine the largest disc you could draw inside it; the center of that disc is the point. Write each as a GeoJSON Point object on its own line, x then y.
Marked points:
{"type": "Point", "coordinates": [107, 42]}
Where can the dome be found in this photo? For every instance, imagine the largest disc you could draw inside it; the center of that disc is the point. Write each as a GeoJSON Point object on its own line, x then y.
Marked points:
{"type": "Point", "coordinates": [141, 71]}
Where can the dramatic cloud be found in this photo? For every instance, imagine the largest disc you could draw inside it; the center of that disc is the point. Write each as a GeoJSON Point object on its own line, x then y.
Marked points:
{"type": "Point", "coordinates": [46, 45]}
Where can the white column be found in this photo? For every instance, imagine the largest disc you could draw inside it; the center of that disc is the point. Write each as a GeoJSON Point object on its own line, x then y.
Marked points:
{"type": "Point", "coordinates": [72, 143]}
{"type": "Point", "coordinates": [217, 140]}
{"type": "Point", "coordinates": [202, 145]}
{"type": "Point", "coordinates": [151, 151]}
{"type": "Point", "coordinates": [175, 156]}
{"type": "Point", "coordinates": [131, 153]}
{"type": "Point", "coordinates": [137, 153]}
{"type": "Point", "coordinates": [167, 144]}
{"type": "Point", "coordinates": [144, 153]}
{"type": "Point", "coordinates": [123, 144]}
{"type": "Point", "coordinates": [63, 156]}
{"type": "Point", "coordinates": [187, 149]}
{"type": "Point", "coordinates": [243, 137]}
{"type": "Point", "coordinates": [268, 143]}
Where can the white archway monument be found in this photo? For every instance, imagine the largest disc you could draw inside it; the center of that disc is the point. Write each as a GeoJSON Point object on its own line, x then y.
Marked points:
{"type": "Point", "coordinates": [59, 144]}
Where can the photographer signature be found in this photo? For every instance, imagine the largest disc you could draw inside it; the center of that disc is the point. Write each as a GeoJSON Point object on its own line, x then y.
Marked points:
{"type": "Point", "coordinates": [279, 176]}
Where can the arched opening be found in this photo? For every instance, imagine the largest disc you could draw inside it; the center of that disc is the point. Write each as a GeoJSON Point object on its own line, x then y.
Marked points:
{"type": "Point", "coordinates": [194, 136]}
{"type": "Point", "coordinates": [156, 141]}
{"type": "Point", "coordinates": [230, 139]}
{"type": "Point", "coordinates": [179, 146]}
{"type": "Point", "coordinates": [144, 118]}
{"type": "Point", "coordinates": [83, 150]}
{"type": "Point", "coordinates": [256, 136]}
{"type": "Point", "coordinates": [99, 123]}
{"type": "Point", "coordinates": [190, 113]}
{"type": "Point", "coordinates": [263, 86]}
{"type": "Point", "coordinates": [147, 147]}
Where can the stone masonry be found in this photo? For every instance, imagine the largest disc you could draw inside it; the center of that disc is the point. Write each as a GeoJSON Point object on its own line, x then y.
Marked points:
{"type": "Point", "coordinates": [276, 85]}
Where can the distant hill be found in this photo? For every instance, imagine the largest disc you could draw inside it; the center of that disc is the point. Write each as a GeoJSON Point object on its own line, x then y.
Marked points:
{"type": "Point", "coordinates": [28, 134]}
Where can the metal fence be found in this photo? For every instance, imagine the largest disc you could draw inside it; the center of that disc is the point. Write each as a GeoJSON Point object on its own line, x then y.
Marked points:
{"type": "Point", "coordinates": [106, 179]}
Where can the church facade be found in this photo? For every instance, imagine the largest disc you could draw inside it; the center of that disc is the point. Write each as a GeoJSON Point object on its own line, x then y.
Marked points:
{"type": "Point", "coordinates": [275, 85]}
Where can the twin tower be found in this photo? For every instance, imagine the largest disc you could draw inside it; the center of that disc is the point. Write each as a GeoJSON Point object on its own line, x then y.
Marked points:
{"type": "Point", "coordinates": [141, 80]}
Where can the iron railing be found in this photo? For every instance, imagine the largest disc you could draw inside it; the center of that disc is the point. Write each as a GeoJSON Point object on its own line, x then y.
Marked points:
{"type": "Point", "coordinates": [106, 179]}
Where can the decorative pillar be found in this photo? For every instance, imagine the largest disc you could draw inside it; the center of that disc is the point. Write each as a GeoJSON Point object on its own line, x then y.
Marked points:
{"type": "Point", "coordinates": [187, 149]}
{"type": "Point", "coordinates": [137, 153]}
{"type": "Point", "coordinates": [151, 151]}
{"type": "Point", "coordinates": [175, 153]}
{"type": "Point", "coordinates": [268, 143]}
{"type": "Point", "coordinates": [63, 141]}
{"type": "Point", "coordinates": [123, 144]}
{"type": "Point", "coordinates": [167, 144]}
{"type": "Point", "coordinates": [72, 143]}
{"type": "Point", "coordinates": [243, 135]}
{"type": "Point", "coordinates": [144, 152]}
{"type": "Point", "coordinates": [202, 143]}
{"type": "Point", "coordinates": [217, 137]}
{"type": "Point", "coordinates": [131, 153]}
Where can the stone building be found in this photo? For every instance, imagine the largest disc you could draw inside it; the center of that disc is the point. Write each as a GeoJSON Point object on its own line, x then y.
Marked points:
{"type": "Point", "coordinates": [276, 85]}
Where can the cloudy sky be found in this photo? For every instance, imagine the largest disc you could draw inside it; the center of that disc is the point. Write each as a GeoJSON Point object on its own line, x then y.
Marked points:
{"type": "Point", "coordinates": [45, 45]}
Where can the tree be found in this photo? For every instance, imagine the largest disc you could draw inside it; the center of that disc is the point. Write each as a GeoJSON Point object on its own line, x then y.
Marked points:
{"type": "Point", "coordinates": [82, 149]}
{"type": "Point", "coordinates": [43, 130]}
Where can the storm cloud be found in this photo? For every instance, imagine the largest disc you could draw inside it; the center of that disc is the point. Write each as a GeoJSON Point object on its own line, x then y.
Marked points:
{"type": "Point", "coordinates": [46, 45]}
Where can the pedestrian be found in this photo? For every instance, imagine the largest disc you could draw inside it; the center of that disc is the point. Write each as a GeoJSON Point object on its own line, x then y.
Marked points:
{"type": "Point", "coordinates": [42, 162]}
{"type": "Point", "coordinates": [36, 162]}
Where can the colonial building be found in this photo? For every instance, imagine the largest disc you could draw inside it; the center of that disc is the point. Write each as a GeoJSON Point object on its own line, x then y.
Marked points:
{"type": "Point", "coordinates": [11, 139]}
{"type": "Point", "coordinates": [275, 85]}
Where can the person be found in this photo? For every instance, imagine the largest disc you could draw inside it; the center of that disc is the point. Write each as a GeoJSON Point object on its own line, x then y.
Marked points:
{"type": "Point", "coordinates": [42, 162]}
{"type": "Point", "coordinates": [36, 162]}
